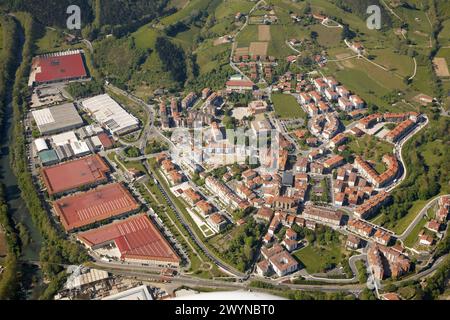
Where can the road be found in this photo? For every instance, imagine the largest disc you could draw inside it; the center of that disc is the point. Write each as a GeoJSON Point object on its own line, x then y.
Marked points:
{"type": "Point", "coordinates": [180, 216]}
{"type": "Point", "coordinates": [399, 155]}
{"type": "Point", "coordinates": [417, 219]}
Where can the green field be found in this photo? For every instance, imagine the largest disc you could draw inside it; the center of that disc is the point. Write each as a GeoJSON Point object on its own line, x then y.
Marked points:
{"type": "Point", "coordinates": [371, 148]}
{"type": "Point", "coordinates": [145, 37]}
{"type": "Point", "coordinates": [398, 63]}
{"type": "Point", "coordinates": [316, 258]}
{"type": "Point", "coordinates": [287, 107]}
{"type": "Point", "coordinates": [209, 57]}
{"type": "Point", "coordinates": [401, 225]}
{"type": "Point", "coordinates": [444, 35]}
{"type": "Point", "coordinates": [412, 237]}
{"type": "Point", "coordinates": [328, 37]}
{"type": "Point", "coordinates": [54, 41]}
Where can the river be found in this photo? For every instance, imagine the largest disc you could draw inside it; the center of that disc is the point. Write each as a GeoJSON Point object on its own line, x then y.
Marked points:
{"type": "Point", "coordinates": [31, 276]}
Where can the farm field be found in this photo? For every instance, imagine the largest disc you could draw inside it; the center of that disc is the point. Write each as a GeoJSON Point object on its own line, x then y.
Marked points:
{"type": "Point", "coordinates": [287, 107]}
{"type": "Point", "coordinates": [328, 37]}
{"type": "Point", "coordinates": [209, 57]}
{"type": "Point", "coordinates": [398, 63]}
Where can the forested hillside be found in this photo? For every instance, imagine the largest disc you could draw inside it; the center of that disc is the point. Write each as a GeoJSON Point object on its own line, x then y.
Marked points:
{"type": "Point", "coordinates": [50, 12]}
{"type": "Point", "coordinates": [359, 7]}
{"type": "Point", "coordinates": [122, 12]}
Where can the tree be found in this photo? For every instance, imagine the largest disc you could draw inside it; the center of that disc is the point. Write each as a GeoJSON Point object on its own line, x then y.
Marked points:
{"type": "Point", "coordinates": [347, 33]}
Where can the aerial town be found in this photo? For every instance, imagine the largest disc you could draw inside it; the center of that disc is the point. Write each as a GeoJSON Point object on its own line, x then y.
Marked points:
{"type": "Point", "coordinates": [279, 179]}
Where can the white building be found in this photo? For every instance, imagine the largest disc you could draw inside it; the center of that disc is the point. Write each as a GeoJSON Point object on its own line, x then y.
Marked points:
{"type": "Point", "coordinates": [110, 114]}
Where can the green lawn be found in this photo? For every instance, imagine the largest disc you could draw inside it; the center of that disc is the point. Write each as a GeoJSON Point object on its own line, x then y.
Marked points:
{"type": "Point", "coordinates": [287, 107]}
{"type": "Point", "coordinates": [402, 64]}
{"type": "Point", "coordinates": [277, 45]}
{"type": "Point", "coordinates": [316, 258]}
{"type": "Point", "coordinates": [328, 37]}
{"type": "Point", "coordinates": [210, 57]}
{"type": "Point", "coordinates": [412, 238]}
{"type": "Point", "coordinates": [371, 149]}
{"type": "Point", "coordinates": [444, 35]}
{"type": "Point", "coordinates": [53, 41]}
{"type": "Point", "coordinates": [401, 225]}
{"type": "Point", "coordinates": [145, 37]}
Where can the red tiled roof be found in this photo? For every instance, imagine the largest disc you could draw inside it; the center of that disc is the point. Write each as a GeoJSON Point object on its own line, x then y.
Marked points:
{"type": "Point", "coordinates": [54, 68]}
{"type": "Point", "coordinates": [74, 174]}
{"type": "Point", "coordinates": [136, 238]}
{"type": "Point", "coordinates": [93, 206]}
{"type": "Point", "coordinates": [105, 140]}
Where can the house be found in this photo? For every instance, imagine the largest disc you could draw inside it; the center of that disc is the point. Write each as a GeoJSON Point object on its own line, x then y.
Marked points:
{"type": "Point", "coordinates": [345, 104]}
{"type": "Point", "coordinates": [353, 242]}
{"type": "Point", "coordinates": [382, 237]}
{"type": "Point", "coordinates": [204, 207]}
{"type": "Point", "coordinates": [333, 162]}
{"type": "Point", "coordinates": [191, 196]}
{"type": "Point", "coordinates": [357, 102]}
{"type": "Point", "coordinates": [426, 240]}
{"type": "Point", "coordinates": [434, 226]}
{"type": "Point", "coordinates": [175, 177]}
{"type": "Point", "coordinates": [290, 244]}
{"type": "Point", "coordinates": [239, 85]}
{"type": "Point", "coordinates": [357, 47]}
{"type": "Point", "coordinates": [257, 107]}
{"type": "Point", "coordinates": [305, 98]}
{"type": "Point", "coordinates": [284, 203]}
{"type": "Point", "coordinates": [263, 268]}
{"type": "Point", "coordinates": [310, 225]}
{"type": "Point", "coordinates": [188, 101]}
{"type": "Point", "coordinates": [331, 95]}
{"type": "Point", "coordinates": [301, 165]}
{"type": "Point", "coordinates": [206, 93]}
{"type": "Point", "coordinates": [317, 167]}
{"type": "Point", "coordinates": [217, 222]}
{"type": "Point", "coordinates": [283, 263]}
{"type": "Point", "coordinates": [273, 227]}
{"type": "Point", "coordinates": [264, 214]}
{"type": "Point", "coordinates": [323, 215]}
{"type": "Point", "coordinates": [291, 234]}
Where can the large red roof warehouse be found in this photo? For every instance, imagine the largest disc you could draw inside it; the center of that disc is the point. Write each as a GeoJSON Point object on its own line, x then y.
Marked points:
{"type": "Point", "coordinates": [58, 67]}
{"type": "Point", "coordinates": [74, 174]}
{"type": "Point", "coordinates": [102, 203]}
{"type": "Point", "coordinates": [136, 238]}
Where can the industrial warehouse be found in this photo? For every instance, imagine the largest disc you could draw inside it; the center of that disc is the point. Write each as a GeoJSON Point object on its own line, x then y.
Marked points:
{"type": "Point", "coordinates": [57, 67]}
{"type": "Point", "coordinates": [57, 119]}
{"type": "Point", "coordinates": [135, 239]}
{"type": "Point", "coordinates": [110, 114]}
{"type": "Point", "coordinates": [69, 176]}
{"type": "Point", "coordinates": [84, 209]}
